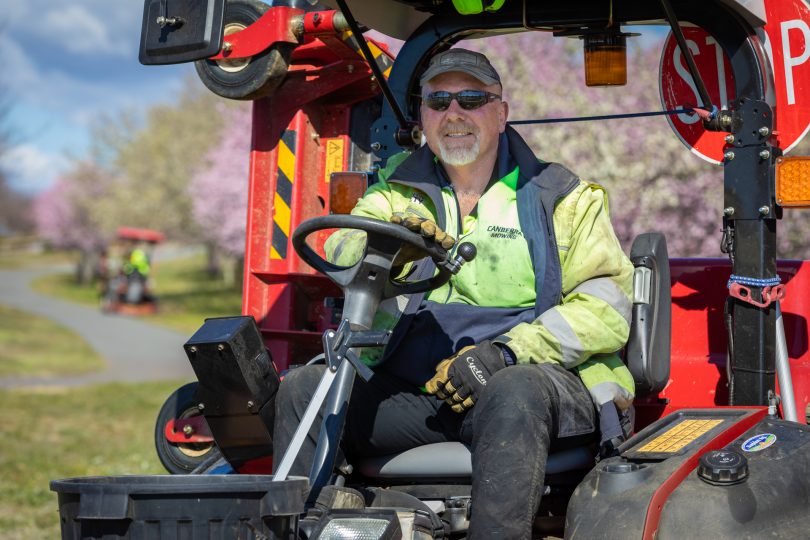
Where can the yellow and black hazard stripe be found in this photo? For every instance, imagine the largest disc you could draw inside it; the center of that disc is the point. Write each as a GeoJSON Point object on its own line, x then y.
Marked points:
{"type": "Point", "coordinates": [381, 58]}
{"type": "Point", "coordinates": [282, 200]}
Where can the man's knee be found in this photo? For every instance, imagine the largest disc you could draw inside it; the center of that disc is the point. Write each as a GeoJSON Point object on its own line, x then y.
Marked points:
{"type": "Point", "coordinates": [546, 391]}
{"type": "Point", "coordinates": [521, 383]}
{"type": "Point", "coordinates": [299, 384]}
{"type": "Point", "coordinates": [518, 388]}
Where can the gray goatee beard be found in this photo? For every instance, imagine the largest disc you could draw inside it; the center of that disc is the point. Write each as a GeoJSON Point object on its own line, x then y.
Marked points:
{"type": "Point", "coordinates": [459, 155]}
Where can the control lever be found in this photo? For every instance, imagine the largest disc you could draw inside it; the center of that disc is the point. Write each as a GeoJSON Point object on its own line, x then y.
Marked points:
{"type": "Point", "coordinates": [338, 345]}
{"type": "Point", "coordinates": [465, 253]}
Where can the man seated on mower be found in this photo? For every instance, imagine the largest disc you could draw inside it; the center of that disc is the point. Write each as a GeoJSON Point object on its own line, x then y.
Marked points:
{"type": "Point", "coordinates": [516, 355]}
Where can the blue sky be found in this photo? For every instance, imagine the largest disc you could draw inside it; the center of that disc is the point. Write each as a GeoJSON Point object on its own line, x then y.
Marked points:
{"type": "Point", "coordinates": [70, 62]}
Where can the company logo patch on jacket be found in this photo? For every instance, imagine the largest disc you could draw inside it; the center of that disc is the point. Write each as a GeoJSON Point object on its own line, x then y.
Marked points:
{"type": "Point", "coordinates": [510, 233]}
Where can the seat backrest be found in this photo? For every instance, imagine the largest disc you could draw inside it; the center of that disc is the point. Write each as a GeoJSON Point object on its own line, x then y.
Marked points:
{"type": "Point", "coordinates": [647, 354]}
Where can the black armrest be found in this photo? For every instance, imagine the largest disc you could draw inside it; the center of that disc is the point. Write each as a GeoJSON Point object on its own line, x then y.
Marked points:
{"type": "Point", "coordinates": [648, 350]}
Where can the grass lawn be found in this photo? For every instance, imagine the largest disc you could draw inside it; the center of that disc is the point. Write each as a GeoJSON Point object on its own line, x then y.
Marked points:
{"type": "Point", "coordinates": [34, 346]}
{"type": "Point", "coordinates": [64, 286]}
{"type": "Point", "coordinates": [53, 433]}
{"type": "Point", "coordinates": [13, 260]}
{"type": "Point", "coordinates": [186, 293]}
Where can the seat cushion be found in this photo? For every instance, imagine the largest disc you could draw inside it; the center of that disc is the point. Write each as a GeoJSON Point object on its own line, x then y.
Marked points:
{"type": "Point", "coordinates": [453, 460]}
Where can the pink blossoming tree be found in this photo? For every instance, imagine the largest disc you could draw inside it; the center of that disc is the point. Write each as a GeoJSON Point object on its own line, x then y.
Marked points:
{"type": "Point", "coordinates": [219, 190]}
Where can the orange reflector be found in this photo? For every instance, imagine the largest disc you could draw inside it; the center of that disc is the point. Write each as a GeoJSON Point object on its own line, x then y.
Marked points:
{"type": "Point", "coordinates": [793, 181]}
{"type": "Point", "coordinates": [345, 188]}
{"type": "Point", "coordinates": [605, 59]}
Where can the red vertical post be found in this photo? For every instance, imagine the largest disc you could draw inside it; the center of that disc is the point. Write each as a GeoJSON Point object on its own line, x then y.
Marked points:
{"type": "Point", "coordinates": [289, 174]}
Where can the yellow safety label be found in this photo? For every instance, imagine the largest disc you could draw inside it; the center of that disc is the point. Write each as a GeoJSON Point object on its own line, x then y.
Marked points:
{"type": "Point", "coordinates": [334, 157]}
{"type": "Point", "coordinates": [679, 435]}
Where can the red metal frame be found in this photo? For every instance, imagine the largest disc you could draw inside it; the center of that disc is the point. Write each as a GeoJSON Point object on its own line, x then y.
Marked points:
{"type": "Point", "coordinates": [173, 430]}
{"type": "Point", "coordinates": [272, 27]}
{"type": "Point", "coordinates": [300, 136]}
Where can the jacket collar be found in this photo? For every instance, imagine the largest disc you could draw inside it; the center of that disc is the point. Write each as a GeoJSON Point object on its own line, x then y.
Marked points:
{"type": "Point", "coordinates": [520, 153]}
{"type": "Point", "coordinates": [421, 169]}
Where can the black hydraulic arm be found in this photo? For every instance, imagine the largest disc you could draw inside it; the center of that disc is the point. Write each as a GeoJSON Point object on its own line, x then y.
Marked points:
{"type": "Point", "coordinates": [378, 74]}
{"type": "Point", "coordinates": [687, 54]}
{"type": "Point", "coordinates": [749, 209]}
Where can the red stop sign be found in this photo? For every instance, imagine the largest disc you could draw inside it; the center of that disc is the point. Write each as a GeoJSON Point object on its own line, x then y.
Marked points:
{"type": "Point", "coordinates": [786, 38]}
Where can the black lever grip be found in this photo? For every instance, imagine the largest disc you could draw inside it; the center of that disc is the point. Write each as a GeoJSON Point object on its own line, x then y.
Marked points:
{"type": "Point", "coordinates": [467, 251]}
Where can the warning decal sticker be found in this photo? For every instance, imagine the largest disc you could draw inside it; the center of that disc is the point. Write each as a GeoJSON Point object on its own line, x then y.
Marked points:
{"type": "Point", "coordinates": [334, 158]}
{"type": "Point", "coordinates": [678, 436]}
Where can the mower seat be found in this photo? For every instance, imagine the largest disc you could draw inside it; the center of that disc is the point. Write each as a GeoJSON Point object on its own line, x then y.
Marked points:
{"type": "Point", "coordinates": [647, 355]}
{"type": "Point", "coordinates": [453, 460]}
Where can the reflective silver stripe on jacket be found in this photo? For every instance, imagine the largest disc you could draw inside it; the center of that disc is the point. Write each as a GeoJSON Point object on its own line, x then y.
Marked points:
{"type": "Point", "coordinates": [610, 391]}
{"type": "Point", "coordinates": [573, 353]}
{"type": "Point", "coordinates": [606, 290]}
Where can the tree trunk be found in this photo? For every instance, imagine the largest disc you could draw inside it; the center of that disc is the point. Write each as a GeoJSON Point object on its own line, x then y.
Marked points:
{"type": "Point", "coordinates": [240, 271]}
{"type": "Point", "coordinates": [86, 267]}
{"type": "Point", "coordinates": [232, 271]}
{"type": "Point", "coordinates": [214, 267]}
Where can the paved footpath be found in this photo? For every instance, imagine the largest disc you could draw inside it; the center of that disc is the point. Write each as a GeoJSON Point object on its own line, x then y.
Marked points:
{"type": "Point", "coordinates": [135, 351]}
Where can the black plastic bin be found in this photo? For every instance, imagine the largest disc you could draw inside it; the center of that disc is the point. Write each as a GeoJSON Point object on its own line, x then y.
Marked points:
{"type": "Point", "coordinates": [223, 507]}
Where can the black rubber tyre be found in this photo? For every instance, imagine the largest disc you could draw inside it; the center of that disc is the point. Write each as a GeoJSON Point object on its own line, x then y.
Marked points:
{"type": "Point", "coordinates": [179, 458]}
{"type": "Point", "coordinates": [248, 78]}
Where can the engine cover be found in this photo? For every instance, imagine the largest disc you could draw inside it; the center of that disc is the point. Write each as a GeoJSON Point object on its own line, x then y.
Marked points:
{"type": "Point", "coordinates": [658, 487]}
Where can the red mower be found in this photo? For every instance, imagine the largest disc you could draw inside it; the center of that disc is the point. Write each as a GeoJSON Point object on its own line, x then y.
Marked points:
{"type": "Point", "coordinates": [718, 347]}
{"type": "Point", "coordinates": [125, 273]}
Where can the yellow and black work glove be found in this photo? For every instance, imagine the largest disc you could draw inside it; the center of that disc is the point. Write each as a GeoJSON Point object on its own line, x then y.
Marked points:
{"type": "Point", "coordinates": [460, 379]}
{"type": "Point", "coordinates": [426, 228]}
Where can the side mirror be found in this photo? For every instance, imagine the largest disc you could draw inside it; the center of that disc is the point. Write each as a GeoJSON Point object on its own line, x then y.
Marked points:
{"type": "Point", "coordinates": [177, 31]}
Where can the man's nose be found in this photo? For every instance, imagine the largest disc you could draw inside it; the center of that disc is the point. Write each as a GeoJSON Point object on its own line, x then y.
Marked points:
{"type": "Point", "coordinates": [455, 110]}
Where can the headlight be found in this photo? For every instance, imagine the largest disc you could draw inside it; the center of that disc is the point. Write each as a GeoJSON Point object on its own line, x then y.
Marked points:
{"type": "Point", "coordinates": [358, 525]}
{"type": "Point", "coordinates": [354, 529]}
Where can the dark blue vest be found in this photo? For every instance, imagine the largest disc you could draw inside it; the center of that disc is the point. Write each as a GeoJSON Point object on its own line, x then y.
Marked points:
{"type": "Point", "coordinates": [429, 331]}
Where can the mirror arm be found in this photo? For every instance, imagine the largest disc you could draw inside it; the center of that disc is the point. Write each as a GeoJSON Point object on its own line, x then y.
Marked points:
{"type": "Point", "coordinates": [404, 125]}
{"type": "Point", "coordinates": [690, 62]}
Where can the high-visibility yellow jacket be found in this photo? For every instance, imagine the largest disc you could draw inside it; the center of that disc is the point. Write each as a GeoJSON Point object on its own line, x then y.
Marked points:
{"type": "Point", "coordinates": [137, 261]}
{"type": "Point", "coordinates": [551, 290]}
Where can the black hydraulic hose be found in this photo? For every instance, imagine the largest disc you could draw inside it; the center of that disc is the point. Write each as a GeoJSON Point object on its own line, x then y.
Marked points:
{"type": "Point", "coordinates": [728, 314]}
{"type": "Point", "coordinates": [378, 74]}
{"type": "Point", "coordinates": [690, 60]}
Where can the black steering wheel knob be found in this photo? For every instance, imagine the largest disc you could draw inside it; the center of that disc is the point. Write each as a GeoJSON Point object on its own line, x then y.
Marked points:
{"type": "Point", "coordinates": [467, 251]}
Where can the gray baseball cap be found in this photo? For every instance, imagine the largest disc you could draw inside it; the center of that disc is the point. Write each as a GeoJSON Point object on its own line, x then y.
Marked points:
{"type": "Point", "coordinates": [469, 62]}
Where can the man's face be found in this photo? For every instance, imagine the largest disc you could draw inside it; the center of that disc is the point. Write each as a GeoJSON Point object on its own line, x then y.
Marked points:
{"type": "Point", "coordinates": [457, 136]}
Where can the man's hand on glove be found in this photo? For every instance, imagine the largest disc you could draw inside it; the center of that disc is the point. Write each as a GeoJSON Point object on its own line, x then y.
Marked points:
{"type": "Point", "coordinates": [426, 228]}
{"type": "Point", "coordinates": [460, 379]}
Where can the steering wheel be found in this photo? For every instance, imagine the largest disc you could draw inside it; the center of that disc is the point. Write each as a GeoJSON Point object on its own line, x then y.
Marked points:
{"type": "Point", "coordinates": [372, 271]}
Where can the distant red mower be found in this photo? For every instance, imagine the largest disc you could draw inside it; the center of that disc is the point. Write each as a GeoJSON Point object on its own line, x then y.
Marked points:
{"type": "Point", "coordinates": [125, 274]}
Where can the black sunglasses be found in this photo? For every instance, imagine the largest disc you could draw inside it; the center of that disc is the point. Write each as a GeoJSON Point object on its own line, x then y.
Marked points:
{"type": "Point", "coordinates": [467, 99]}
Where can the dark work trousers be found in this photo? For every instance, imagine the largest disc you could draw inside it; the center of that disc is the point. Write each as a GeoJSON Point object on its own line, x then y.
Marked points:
{"type": "Point", "coordinates": [524, 412]}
